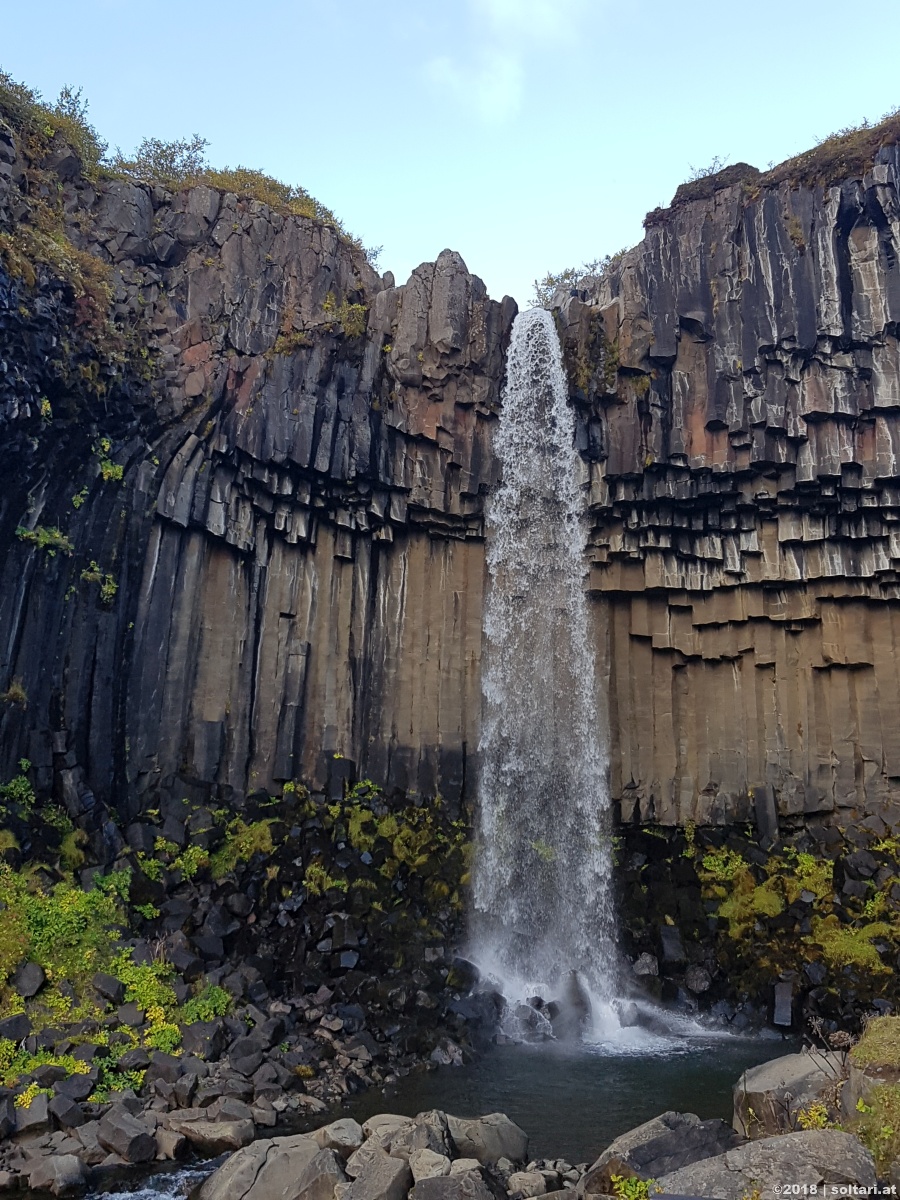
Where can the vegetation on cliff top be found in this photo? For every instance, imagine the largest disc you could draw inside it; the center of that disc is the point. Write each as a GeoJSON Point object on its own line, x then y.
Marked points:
{"type": "Point", "coordinates": [176, 164]}
{"type": "Point", "coordinates": [845, 154]}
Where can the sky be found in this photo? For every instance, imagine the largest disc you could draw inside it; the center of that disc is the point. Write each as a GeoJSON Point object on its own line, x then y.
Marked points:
{"type": "Point", "coordinates": [529, 135]}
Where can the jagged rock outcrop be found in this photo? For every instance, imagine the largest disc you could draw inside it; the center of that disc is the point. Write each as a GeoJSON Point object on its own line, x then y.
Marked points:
{"type": "Point", "coordinates": [739, 374]}
{"type": "Point", "coordinates": [270, 551]}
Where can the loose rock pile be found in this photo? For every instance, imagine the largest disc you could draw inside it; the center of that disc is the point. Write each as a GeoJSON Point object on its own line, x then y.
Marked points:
{"type": "Point", "coordinates": [237, 1076]}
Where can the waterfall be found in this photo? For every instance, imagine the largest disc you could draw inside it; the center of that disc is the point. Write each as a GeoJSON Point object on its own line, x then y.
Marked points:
{"type": "Point", "coordinates": [542, 871]}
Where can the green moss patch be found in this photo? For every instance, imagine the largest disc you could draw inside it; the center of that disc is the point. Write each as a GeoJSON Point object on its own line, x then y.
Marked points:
{"type": "Point", "coordinates": [879, 1045]}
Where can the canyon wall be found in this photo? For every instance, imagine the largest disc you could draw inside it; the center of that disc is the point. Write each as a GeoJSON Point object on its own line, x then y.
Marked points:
{"type": "Point", "coordinates": [285, 578]}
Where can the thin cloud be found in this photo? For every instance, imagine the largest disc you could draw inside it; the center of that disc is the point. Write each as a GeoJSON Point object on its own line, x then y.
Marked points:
{"type": "Point", "coordinates": [492, 87]}
{"type": "Point", "coordinates": [490, 79]}
{"type": "Point", "coordinates": [534, 19]}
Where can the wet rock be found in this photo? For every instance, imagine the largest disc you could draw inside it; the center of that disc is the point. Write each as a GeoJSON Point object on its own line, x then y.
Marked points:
{"type": "Point", "coordinates": [572, 1010]}
{"type": "Point", "coordinates": [819, 1157]}
{"type": "Point", "coordinates": [645, 964]}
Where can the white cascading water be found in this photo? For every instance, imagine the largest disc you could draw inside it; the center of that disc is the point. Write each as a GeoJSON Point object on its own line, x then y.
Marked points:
{"type": "Point", "coordinates": [542, 872]}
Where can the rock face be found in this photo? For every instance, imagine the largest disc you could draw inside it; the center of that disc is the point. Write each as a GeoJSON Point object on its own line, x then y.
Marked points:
{"type": "Point", "coordinates": [291, 566]}
{"type": "Point", "coordinates": [739, 372]}
{"type": "Point", "coordinates": [819, 1157]}
{"type": "Point", "coordinates": [286, 512]}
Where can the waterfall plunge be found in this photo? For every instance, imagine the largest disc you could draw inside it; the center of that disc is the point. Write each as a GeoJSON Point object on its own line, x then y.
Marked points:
{"type": "Point", "coordinates": [541, 880]}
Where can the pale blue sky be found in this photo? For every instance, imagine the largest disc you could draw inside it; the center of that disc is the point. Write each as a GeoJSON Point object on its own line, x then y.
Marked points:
{"type": "Point", "coordinates": [528, 135]}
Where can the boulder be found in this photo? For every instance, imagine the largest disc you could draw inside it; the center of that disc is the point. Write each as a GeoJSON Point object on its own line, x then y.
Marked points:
{"type": "Point", "coordinates": [7, 1117]}
{"type": "Point", "coordinates": [459, 1165]}
{"type": "Point", "coordinates": [35, 1118]}
{"type": "Point", "coordinates": [246, 1055]}
{"type": "Point", "coordinates": [344, 1136]}
{"type": "Point", "coordinates": [382, 1178]}
{"type": "Point", "coordinates": [266, 1170]}
{"type": "Point", "coordinates": [816, 1157]}
{"type": "Point", "coordinates": [29, 979]}
{"type": "Point", "coordinates": [384, 1123]}
{"type": "Point", "coordinates": [768, 1097]}
{"type": "Point", "coordinates": [214, 1137]}
{"type": "Point", "coordinates": [126, 1136]}
{"type": "Point", "coordinates": [320, 1176]}
{"type": "Point", "coordinates": [461, 1185]}
{"type": "Point", "coordinates": [109, 987]}
{"type": "Point", "coordinates": [665, 1144]}
{"type": "Point", "coordinates": [527, 1183]}
{"type": "Point", "coordinates": [427, 1164]}
{"type": "Point", "coordinates": [572, 1010]}
{"type": "Point", "coordinates": [59, 1174]}
{"type": "Point", "coordinates": [428, 1131]}
{"type": "Point", "coordinates": [489, 1138]}
{"type": "Point", "coordinates": [172, 1145]}
{"type": "Point", "coordinates": [67, 1112]}
{"type": "Point", "coordinates": [16, 1028]}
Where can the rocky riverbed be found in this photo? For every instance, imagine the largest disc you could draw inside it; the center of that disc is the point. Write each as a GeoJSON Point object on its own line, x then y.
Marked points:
{"type": "Point", "coordinates": [813, 1118]}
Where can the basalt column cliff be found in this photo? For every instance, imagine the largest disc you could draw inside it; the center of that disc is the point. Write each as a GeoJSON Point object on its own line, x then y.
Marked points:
{"type": "Point", "coordinates": [241, 515]}
{"type": "Point", "coordinates": [243, 484]}
{"type": "Point", "coordinates": [739, 372]}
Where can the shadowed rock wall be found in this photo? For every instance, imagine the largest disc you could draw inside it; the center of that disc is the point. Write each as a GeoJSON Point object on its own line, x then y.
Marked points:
{"type": "Point", "coordinates": [739, 373]}
{"type": "Point", "coordinates": [295, 539]}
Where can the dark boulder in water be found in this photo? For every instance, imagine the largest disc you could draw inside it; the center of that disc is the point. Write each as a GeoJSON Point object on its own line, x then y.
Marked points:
{"type": "Point", "coordinates": [572, 1011]}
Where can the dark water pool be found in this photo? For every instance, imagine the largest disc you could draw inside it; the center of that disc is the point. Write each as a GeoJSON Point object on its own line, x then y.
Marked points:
{"type": "Point", "coordinates": [573, 1102]}
{"type": "Point", "coordinates": [570, 1101]}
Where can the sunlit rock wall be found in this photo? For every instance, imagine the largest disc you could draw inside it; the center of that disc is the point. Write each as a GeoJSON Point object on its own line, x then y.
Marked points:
{"type": "Point", "coordinates": [739, 377]}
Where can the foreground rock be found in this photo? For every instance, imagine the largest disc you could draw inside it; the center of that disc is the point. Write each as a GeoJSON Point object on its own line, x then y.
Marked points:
{"type": "Point", "coordinates": [814, 1158]}
{"type": "Point", "coordinates": [388, 1158]}
{"type": "Point", "coordinates": [267, 1170]}
{"type": "Point", "coordinates": [767, 1098]}
{"type": "Point", "coordinates": [667, 1143]}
